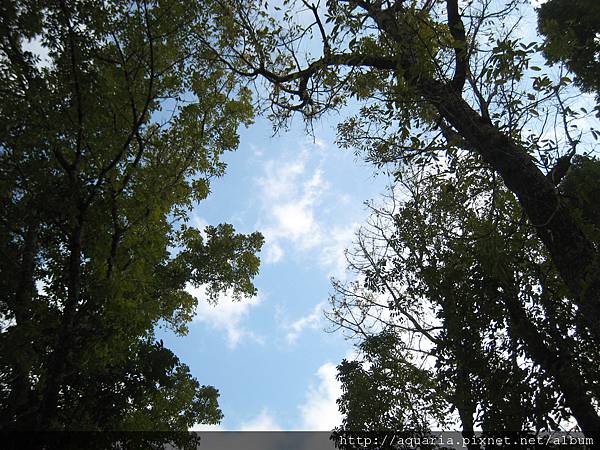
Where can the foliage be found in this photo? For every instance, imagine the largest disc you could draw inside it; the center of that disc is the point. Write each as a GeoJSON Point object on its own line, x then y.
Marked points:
{"type": "Point", "coordinates": [107, 143]}
{"type": "Point", "coordinates": [571, 30]}
{"type": "Point", "coordinates": [453, 279]}
{"type": "Point", "coordinates": [430, 77]}
{"type": "Point", "coordinates": [391, 392]}
{"type": "Point", "coordinates": [581, 190]}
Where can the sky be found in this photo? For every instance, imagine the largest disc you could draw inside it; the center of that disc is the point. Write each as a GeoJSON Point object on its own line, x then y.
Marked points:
{"type": "Point", "coordinates": [273, 357]}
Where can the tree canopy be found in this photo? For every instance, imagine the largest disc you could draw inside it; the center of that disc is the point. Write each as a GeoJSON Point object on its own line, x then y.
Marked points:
{"type": "Point", "coordinates": [108, 140]}
{"type": "Point", "coordinates": [431, 77]}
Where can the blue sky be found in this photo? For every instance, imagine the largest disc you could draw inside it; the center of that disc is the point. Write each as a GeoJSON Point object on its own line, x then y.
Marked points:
{"type": "Point", "coordinates": [269, 356]}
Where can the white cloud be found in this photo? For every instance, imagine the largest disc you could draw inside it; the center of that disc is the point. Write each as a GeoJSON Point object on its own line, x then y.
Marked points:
{"type": "Point", "coordinates": [312, 321]}
{"type": "Point", "coordinates": [226, 315]}
{"type": "Point", "coordinates": [321, 144]}
{"type": "Point", "coordinates": [273, 253]}
{"type": "Point", "coordinates": [291, 194]}
{"type": "Point", "coordinates": [295, 192]}
{"type": "Point", "coordinates": [319, 411]}
{"type": "Point", "coordinates": [257, 151]}
{"type": "Point", "coordinates": [295, 221]}
{"type": "Point", "coordinates": [280, 178]}
{"type": "Point", "coordinates": [262, 422]}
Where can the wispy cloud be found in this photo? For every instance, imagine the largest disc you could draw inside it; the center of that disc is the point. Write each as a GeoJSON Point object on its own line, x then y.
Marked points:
{"type": "Point", "coordinates": [310, 321]}
{"type": "Point", "coordinates": [333, 254]}
{"type": "Point", "coordinates": [273, 253]}
{"type": "Point", "coordinates": [291, 192]}
{"type": "Point", "coordinates": [319, 411]}
{"type": "Point", "coordinates": [293, 189]}
{"type": "Point", "coordinates": [264, 421]}
{"type": "Point", "coordinates": [227, 315]}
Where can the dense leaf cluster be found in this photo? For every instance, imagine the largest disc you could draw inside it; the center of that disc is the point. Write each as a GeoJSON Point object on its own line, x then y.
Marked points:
{"type": "Point", "coordinates": [571, 30]}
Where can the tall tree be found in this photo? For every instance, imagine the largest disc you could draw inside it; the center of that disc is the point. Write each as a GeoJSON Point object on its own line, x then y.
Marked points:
{"type": "Point", "coordinates": [456, 298]}
{"type": "Point", "coordinates": [111, 132]}
{"type": "Point", "coordinates": [431, 76]}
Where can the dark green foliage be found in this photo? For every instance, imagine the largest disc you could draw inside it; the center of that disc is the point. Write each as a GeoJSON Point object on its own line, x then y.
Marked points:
{"type": "Point", "coordinates": [456, 299]}
{"type": "Point", "coordinates": [572, 35]}
{"type": "Point", "coordinates": [104, 149]}
{"type": "Point", "coordinates": [386, 391]}
{"type": "Point", "coordinates": [582, 190]}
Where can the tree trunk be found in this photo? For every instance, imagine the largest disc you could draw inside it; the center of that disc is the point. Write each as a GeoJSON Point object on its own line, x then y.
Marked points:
{"type": "Point", "coordinates": [571, 251]}
{"type": "Point", "coordinates": [58, 360]}
{"type": "Point", "coordinates": [556, 363]}
{"type": "Point", "coordinates": [19, 397]}
{"type": "Point", "coordinates": [463, 400]}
